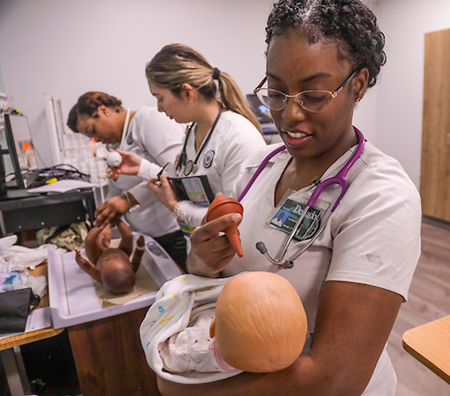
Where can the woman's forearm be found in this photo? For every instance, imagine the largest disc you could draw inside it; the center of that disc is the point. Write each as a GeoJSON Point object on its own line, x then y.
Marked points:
{"type": "Point", "coordinates": [191, 214]}
{"type": "Point", "coordinates": [282, 382]}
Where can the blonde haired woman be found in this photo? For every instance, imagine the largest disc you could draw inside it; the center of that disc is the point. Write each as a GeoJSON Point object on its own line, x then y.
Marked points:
{"type": "Point", "coordinates": [223, 131]}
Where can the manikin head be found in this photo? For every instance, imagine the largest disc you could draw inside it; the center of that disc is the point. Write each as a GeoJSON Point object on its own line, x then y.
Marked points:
{"type": "Point", "coordinates": [260, 323]}
{"type": "Point", "coordinates": [117, 273]}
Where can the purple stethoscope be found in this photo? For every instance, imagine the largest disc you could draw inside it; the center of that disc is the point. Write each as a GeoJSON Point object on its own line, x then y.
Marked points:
{"type": "Point", "coordinates": [340, 179]}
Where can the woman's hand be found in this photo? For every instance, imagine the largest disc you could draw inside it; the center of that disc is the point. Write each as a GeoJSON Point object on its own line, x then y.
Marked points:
{"type": "Point", "coordinates": [163, 191]}
{"type": "Point", "coordinates": [130, 165]}
{"type": "Point", "coordinates": [110, 209]}
{"type": "Point", "coordinates": [211, 252]}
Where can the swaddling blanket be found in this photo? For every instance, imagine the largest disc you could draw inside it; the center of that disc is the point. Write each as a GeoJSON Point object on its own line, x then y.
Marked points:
{"type": "Point", "coordinates": [178, 303]}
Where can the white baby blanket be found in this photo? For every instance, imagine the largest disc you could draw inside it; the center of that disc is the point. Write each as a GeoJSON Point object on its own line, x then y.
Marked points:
{"type": "Point", "coordinates": [170, 314]}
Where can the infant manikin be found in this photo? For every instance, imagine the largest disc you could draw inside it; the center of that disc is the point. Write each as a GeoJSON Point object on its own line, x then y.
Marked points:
{"type": "Point", "coordinates": [260, 324]}
{"type": "Point", "coordinates": [257, 323]}
{"type": "Point", "coordinates": [112, 266]}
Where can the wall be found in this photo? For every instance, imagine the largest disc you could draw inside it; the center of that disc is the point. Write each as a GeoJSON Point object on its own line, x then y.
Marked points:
{"type": "Point", "coordinates": [2, 86]}
{"type": "Point", "coordinates": [68, 47]}
{"type": "Point", "coordinates": [65, 48]}
{"type": "Point", "coordinates": [400, 92]}
{"type": "Point", "coordinates": [365, 115]}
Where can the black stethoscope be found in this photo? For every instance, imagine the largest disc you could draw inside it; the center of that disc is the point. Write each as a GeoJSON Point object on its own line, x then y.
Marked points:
{"type": "Point", "coordinates": [188, 167]}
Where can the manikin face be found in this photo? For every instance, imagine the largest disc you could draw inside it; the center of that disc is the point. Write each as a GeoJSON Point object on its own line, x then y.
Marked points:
{"type": "Point", "coordinates": [173, 106]}
{"type": "Point", "coordinates": [294, 65]}
{"type": "Point", "coordinates": [106, 128]}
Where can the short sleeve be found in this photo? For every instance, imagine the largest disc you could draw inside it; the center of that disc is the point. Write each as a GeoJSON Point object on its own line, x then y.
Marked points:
{"type": "Point", "coordinates": [376, 231]}
{"type": "Point", "coordinates": [238, 146]}
{"type": "Point", "coordinates": [155, 132]}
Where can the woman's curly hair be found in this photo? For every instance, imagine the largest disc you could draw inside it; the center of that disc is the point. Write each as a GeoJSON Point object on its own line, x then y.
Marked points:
{"type": "Point", "coordinates": [88, 103]}
{"type": "Point", "coordinates": [349, 23]}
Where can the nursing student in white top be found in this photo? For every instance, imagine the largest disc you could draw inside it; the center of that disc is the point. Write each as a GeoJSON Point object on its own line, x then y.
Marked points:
{"type": "Point", "coordinates": [321, 58]}
{"type": "Point", "coordinates": [223, 130]}
{"type": "Point", "coordinates": [146, 133]}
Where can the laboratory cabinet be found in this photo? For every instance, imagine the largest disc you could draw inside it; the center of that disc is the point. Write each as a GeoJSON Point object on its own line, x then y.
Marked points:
{"type": "Point", "coordinates": [435, 161]}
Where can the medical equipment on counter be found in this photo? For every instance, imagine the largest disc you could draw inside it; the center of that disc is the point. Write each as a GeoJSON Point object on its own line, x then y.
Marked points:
{"type": "Point", "coordinates": [340, 179]}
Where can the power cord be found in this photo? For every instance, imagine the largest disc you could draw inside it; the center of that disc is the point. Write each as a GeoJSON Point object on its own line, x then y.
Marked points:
{"type": "Point", "coordinates": [60, 172]}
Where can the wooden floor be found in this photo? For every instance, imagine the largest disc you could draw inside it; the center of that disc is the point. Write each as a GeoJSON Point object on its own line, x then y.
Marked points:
{"type": "Point", "coordinates": [429, 299]}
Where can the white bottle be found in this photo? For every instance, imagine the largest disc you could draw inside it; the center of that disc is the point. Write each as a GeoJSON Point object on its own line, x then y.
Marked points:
{"type": "Point", "coordinates": [113, 159]}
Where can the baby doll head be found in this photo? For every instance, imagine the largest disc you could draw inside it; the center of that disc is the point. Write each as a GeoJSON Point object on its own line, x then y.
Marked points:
{"type": "Point", "coordinates": [260, 323]}
{"type": "Point", "coordinates": [117, 274]}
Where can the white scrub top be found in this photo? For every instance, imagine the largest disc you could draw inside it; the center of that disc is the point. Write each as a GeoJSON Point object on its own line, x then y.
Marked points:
{"type": "Point", "coordinates": [373, 237]}
{"type": "Point", "coordinates": [233, 141]}
{"type": "Point", "coordinates": [158, 139]}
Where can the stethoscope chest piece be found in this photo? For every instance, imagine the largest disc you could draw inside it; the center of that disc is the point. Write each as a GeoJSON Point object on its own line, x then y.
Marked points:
{"type": "Point", "coordinates": [190, 167]}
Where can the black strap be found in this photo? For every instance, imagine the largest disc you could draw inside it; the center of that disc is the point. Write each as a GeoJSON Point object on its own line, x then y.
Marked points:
{"type": "Point", "coordinates": [182, 159]}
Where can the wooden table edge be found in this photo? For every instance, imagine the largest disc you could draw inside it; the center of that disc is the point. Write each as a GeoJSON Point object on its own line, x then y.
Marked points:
{"type": "Point", "coordinates": [422, 359]}
{"type": "Point", "coordinates": [26, 338]}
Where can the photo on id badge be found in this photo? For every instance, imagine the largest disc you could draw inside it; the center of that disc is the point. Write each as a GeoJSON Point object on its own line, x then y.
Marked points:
{"type": "Point", "coordinates": [289, 212]}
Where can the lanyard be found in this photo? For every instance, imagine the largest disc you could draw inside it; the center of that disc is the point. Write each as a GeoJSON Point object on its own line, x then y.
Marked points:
{"type": "Point", "coordinates": [192, 166]}
{"type": "Point", "coordinates": [125, 129]}
{"type": "Point", "coordinates": [110, 174]}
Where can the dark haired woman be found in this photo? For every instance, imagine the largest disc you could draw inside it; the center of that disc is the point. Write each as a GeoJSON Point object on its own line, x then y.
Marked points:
{"type": "Point", "coordinates": [150, 135]}
{"type": "Point", "coordinates": [359, 252]}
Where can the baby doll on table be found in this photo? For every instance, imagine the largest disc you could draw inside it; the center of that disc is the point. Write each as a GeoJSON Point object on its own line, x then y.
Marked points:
{"type": "Point", "coordinates": [111, 266]}
{"type": "Point", "coordinates": [202, 330]}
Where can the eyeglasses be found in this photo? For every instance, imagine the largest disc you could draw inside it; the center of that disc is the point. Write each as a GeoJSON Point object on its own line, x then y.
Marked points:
{"type": "Point", "coordinates": [312, 100]}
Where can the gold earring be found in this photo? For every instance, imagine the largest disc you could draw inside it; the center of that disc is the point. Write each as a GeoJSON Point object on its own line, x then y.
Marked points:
{"type": "Point", "coordinates": [358, 100]}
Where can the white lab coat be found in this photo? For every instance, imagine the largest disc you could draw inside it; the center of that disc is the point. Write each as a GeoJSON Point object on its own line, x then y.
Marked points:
{"type": "Point", "coordinates": [158, 139]}
{"type": "Point", "coordinates": [233, 140]}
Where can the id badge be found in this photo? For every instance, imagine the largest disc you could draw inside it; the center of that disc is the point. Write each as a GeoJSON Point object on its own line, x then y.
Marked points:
{"type": "Point", "coordinates": [286, 215]}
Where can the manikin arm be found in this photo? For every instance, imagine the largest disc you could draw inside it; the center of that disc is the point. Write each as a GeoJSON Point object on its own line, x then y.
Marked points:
{"type": "Point", "coordinates": [126, 243]}
{"type": "Point", "coordinates": [87, 267]}
{"type": "Point", "coordinates": [138, 253]}
{"type": "Point", "coordinates": [95, 242]}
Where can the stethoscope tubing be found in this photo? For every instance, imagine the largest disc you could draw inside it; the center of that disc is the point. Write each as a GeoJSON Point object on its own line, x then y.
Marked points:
{"type": "Point", "coordinates": [340, 179]}
{"type": "Point", "coordinates": [259, 170]}
{"type": "Point", "coordinates": [181, 165]}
